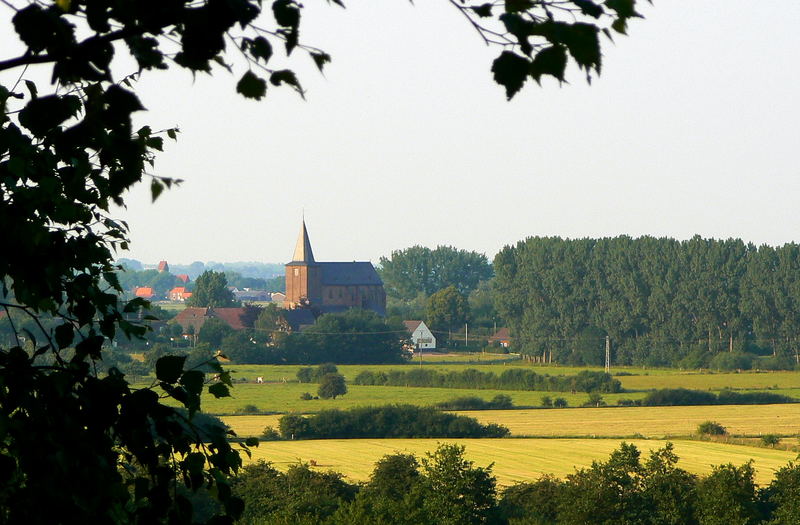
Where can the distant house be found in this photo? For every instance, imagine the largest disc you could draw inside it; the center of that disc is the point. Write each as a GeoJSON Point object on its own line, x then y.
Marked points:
{"type": "Point", "coordinates": [179, 294]}
{"type": "Point", "coordinates": [278, 297]}
{"type": "Point", "coordinates": [145, 292]}
{"type": "Point", "coordinates": [248, 295]}
{"type": "Point", "coordinates": [236, 318]}
{"type": "Point", "coordinates": [421, 335]}
{"type": "Point", "coordinates": [502, 336]}
{"type": "Point", "coordinates": [163, 266]}
{"type": "Point", "coordinates": [182, 277]}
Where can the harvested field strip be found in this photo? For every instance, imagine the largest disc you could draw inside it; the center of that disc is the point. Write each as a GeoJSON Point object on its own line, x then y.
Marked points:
{"type": "Point", "coordinates": [657, 422]}
{"type": "Point", "coordinates": [750, 420]}
{"type": "Point", "coordinates": [514, 459]}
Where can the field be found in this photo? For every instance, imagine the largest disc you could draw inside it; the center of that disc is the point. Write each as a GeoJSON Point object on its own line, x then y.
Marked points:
{"type": "Point", "coordinates": [650, 422]}
{"type": "Point", "coordinates": [553, 441]}
{"type": "Point", "coordinates": [514, 459]}
{"type": "Point", "coordinates": [281, 392]}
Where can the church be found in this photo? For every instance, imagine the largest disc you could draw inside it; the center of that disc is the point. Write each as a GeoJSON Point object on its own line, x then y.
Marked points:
{"type": "Point", "coordinates": [327, 287]}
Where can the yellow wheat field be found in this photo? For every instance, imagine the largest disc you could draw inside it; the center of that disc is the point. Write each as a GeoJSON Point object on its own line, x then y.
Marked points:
{"type": "Point", "coordinates": [514, 459]}
{"type": "Point", "coordinates": [653, 422]}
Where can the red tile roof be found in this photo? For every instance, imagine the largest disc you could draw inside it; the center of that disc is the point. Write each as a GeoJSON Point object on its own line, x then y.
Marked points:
{"type": "Point", "coordinates": [182, 277]}
{"type": "Point", "coordinates": [144, 292]}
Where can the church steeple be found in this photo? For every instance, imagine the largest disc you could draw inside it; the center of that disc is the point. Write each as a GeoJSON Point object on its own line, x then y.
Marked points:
{"type": "Point", "coordinates": [302, 250]}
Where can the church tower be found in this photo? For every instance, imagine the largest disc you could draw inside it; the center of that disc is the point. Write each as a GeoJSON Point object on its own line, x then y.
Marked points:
{"type": "Point", "coordinates": [303, 283]}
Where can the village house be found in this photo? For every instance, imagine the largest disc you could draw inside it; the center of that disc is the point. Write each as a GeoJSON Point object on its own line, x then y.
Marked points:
{"type": "Point", "coordinates": [502, 336]}
{"type": "Point", "coordinates": [179, 294]}
{"type": "Point", "coordinates": [421, 335]}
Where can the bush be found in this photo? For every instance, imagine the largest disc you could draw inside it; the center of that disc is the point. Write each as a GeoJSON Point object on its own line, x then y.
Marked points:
{"type": "Point", "coordinates": [270, 434]}
{"type": "Point", "coordinates": [678, 397]}
{"type": "Point", "coordinates": [547, 402]}
{"type": "Point", "coordinates": [248, 409]}
{"type": "Point", "coordinates": [629, 402]}
{"type": "Point", "coordinates": [770, 440]}
{"type": "Point", "coordinates": [595, 400]}
{"type": "Point", "coordinates": [560, 402]}
{"type": "Point", "coordinates": [711, 428]}
{"type": "Point", "coordinates": [305, 374]}
{"type": "Point", "coordinates": [499, 402]}
{"type": "Point", "coordinates": [731, 361]}
{"type": "Point", "coordinates": [305, 396]}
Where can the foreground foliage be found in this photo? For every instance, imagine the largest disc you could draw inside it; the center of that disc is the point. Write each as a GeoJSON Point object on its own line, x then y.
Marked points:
{"type": "Point", "coordinates": [443, 487]}
{"type": "Point", "coordinates": [78, 445]}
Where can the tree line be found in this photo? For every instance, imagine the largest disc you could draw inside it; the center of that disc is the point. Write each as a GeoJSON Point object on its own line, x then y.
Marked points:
{"type": "Point", "coordinates": [511, 379]}
{"type": "Point", "coordinates": [662, 302]}
{"type": "Point", "coordinates": [385, 422]}
{"type": "Point", "coordinates": [444, 488]}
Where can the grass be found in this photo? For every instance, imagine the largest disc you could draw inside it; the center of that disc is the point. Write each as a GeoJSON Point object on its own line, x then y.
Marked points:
{"type": "Point", "coordinates": [285, 397]}
{"type": "Point", "coordinates": [650, 422]}
{"type": "Point", "coordinates": [514, 459]}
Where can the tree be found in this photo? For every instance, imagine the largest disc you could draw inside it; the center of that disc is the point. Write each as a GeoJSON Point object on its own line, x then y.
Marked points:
{"type": "Point", "coordinates": [67, 153]}
{"type": "Point", "coordinates": [447, 309]}
{"type": "Point", "coordinates": [456, 491]}
{"type": "Point", "coordinates": [211, 290]}
{"type": "Point", "coordinates": [214, 331]}
{"type": "Point", "coordinates": [407, 273]}
{"type": "Point", "coordinates": [331, 385]}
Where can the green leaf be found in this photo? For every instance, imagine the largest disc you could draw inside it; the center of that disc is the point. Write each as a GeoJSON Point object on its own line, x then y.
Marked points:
{"type": "Point", "coordinates": [251, 442]}
{"type": "Point", "coordinates": [219, 390]}
{"type": "Point", "coordinates": [251, 86]}
{"type": "Point", "coordinates": [549, 61]}
{"type": "Point", "coordinates": [170, 367]}
{"type": "Point", "coordinates": [42, 114]}
{"type": "Point", "coordinates": [64, 335]}
{"type": "Point", "coordinates": [261, 48]}
{"type": "Point", "coordinates": [156, 188]}
{"type": "Point", "coordinates": [510, 71]}
{"type": "Point", "coordinates": [193, 381]}
{"type": "Point", "coordinates": [483, 11]}
{"type": "Point", "coordinates": [320, 59]}
{"type": "Point", "coordinates": [624, 8]}
{"type": "Point", "coordinates": [583, 44]}
{"type": "Point", "coordinates": [286, 76]}
{"type": "Point", "coordinates": [589, 8]}
{"type": "Point", "coordinates": [32, 88]}
{"type": "Point", "coordinates": [517, 6]}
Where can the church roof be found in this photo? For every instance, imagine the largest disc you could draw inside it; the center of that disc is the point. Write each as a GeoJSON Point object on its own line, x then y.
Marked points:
{"type": "Point", "coordinates": [302, 250]}
{"type": "Point", "coordinates": [349, 274]}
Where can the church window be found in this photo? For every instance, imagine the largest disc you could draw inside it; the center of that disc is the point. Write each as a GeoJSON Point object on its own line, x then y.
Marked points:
{"type": "Point", "coordinates": [296, 272]}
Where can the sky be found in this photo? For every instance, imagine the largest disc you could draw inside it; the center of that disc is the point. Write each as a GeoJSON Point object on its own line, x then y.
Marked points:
{"type": "Point", "coordinates": [692, 128]}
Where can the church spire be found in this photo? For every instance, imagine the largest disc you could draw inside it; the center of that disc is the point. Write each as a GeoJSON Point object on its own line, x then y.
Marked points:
{"type": "Point", "coordinates": [302, 250]}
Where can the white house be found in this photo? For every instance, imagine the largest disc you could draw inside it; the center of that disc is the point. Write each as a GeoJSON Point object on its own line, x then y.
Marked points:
{"type": "Point", "coordinates": [421, 335]}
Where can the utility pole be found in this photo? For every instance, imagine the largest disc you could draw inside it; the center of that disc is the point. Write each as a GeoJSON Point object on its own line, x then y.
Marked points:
{"type": "Point", "coordinates": [608, 354]}
{"type": "Point", "coordinates": [466, 334]}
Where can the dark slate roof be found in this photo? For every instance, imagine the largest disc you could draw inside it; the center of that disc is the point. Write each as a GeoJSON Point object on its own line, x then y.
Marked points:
{"type": "Point", "coordinates": [349, 274]}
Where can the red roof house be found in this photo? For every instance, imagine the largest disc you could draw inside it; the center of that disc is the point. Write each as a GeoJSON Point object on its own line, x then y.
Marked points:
{"type": "Point", "coordinates": [145, 292]}
{"type": "Point", "coordinates": [502, 336]}
{"type": "Point", "coordinates": [163, 266]}
{"type": "Point", "coordinates": [182, 277]}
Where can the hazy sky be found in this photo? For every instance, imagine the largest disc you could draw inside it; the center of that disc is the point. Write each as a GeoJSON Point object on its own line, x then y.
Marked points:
{"type": "Point", "coordinates": [691, 129]}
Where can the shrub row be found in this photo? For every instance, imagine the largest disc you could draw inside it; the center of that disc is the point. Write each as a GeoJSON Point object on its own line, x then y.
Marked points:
{"type": "Point", "coordinates": [499, 402]}
{"type": "Point", "coordinates": [511, 379]}
{"type": "Point", "coordinates": [390, 421]}
{"type": "Point", "coordinates": [685, 397]}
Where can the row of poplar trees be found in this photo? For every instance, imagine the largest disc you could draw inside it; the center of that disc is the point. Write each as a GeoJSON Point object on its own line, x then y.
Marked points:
{"type": "Point", "coordinates": [660, 301]}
